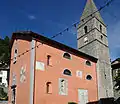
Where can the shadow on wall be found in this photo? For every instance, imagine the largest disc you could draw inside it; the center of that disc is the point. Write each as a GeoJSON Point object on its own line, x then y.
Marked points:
{"type": "Point", "coordinates": [72, 103]}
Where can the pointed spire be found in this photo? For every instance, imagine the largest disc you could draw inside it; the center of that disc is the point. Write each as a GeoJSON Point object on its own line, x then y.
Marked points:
{"type": "Point", "coordinates": [89, 9]}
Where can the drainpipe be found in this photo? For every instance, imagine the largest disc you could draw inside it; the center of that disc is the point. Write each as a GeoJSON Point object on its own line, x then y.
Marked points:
{"type": "Point", "coordinates": [32, 71]}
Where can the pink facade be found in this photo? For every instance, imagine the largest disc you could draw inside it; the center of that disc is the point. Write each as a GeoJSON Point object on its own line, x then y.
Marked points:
{"type": "Point", "coordinates": [47, 82]}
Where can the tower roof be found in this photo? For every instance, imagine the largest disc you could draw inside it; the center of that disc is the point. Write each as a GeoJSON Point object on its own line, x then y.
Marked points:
{"type": "Point", "coordinates": [89, 9]}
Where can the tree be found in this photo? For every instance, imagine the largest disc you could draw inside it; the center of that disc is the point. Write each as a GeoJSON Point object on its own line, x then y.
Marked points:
{"type": "Point", "coordinates": [117, 80]}
{"type": "Point", "coordinates": [4, 51]}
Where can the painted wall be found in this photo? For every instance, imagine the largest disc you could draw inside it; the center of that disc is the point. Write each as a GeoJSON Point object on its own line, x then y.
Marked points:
{"type": "Point", "coordinates": [55, 71]}
{"type": "Point", "coordinates": [23, 62]}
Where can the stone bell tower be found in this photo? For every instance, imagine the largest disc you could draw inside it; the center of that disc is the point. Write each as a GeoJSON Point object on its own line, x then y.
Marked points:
{"type": "Point", "coordinates": [92, 39]}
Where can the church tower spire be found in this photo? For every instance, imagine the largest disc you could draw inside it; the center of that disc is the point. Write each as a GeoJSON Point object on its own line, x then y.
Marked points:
{"type": "Point", "coordinates": [92, 40]}
{"type": "Point", "coordinates": [91, 10]}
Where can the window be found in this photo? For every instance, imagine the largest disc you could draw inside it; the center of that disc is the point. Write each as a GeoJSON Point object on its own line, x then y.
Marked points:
{"type": "Point", "coordinates": [100, 28]}
{"type": "Point", "coordinates": [89, 77]}
{"type": "Point", "coordinates": [49, 87]}
{"type": "Point", "coordinates": [86, 40]}
{"type": "Point", "coordinates": [49, 61]}
{"type": "Point", "coordinates": [67, 72]}
{"type": "Point", "coordinates": [88, 63]}
{"type": "Point", "coordinates": [63, 84]}
{"type": "Point", "coordinates": [15, 55]}
{"type": "Point", "coordinates": [101, 37]}
{"type": "Point", "coordinates": [67, 56]}
{"type": "Point", "coordinates": [13, 96]}
{"type": "Point", "coordinates": [0, 79]}
{"type": "Point", "coordinates": [85, 29]}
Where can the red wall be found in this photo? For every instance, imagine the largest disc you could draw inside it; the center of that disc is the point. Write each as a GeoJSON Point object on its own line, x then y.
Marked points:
{"type": "Point", "coordinates": [54, 72]}
{"type": "Point", "coordinates": [22, 89]}
{"type": "Point", "coordinates": [51, 74]}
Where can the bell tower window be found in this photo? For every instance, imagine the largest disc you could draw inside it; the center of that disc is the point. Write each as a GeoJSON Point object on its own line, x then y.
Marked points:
{"type": "Point", "coordinates": [100, 28]}
{"type": "Point", "coordinates": [101, 37]}
{"type": "Point", "coordinates": [85, 29]}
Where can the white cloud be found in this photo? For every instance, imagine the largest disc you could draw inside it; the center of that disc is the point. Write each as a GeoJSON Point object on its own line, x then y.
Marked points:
{"type": "Point", "coordinates": [31, 17]}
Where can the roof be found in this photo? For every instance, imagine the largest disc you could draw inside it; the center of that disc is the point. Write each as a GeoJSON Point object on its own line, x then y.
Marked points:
{"type": "Point", "coordinates": [89, 9]}
{"type": "Point", "coordinates": [116, 64]}
{"type": "Point", "coordinates": [52, 43]}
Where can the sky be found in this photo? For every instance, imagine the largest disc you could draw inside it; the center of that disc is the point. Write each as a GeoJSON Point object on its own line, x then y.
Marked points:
{"type": "Point", "coordinates": [49, 17]}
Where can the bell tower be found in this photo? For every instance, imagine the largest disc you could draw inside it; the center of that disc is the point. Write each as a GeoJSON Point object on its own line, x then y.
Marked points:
{"type": "Point", "coordinates": [92, 39]}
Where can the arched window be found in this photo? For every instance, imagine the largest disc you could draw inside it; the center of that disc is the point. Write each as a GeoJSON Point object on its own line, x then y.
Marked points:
{"type": "Point", "coordinates": [67, 56]}
{"type": "Point", "coordinates": [85, 29]}
{"type": "Point", "coordinates": [67, 72]}
{"type": "Point", "coordinates": [49, 87]}
{"type": "Point", "coordinates": [88, 63]}
{"type": "Point", "coordinates": [89, 77]}
{"type": "Point", "coordinates": [100, 28]}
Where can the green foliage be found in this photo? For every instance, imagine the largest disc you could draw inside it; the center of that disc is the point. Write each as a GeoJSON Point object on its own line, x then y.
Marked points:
{"type": "Point", "coordinates": [4, 51]}
{"type": "Point", "coordinates": [117, 80]}
{"type": "Point", "coordinates": [3, 95]}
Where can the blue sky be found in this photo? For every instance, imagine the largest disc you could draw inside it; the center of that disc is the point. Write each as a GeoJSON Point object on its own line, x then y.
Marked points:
{"type": "Point", "coordinates": [49, 17]}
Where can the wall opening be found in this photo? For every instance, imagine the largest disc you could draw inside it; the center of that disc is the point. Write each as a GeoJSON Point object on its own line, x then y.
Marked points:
{"type": "Point", "coordinates": [67, 72]}
{"type": "Point", "coordinates": [67, 56]}
{"type": "Point", "coordinates": [85, 29]}
{"type": "Point", "coordinates": [49, 88]}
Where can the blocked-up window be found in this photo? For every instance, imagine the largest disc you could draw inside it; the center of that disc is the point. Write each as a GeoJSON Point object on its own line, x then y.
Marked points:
{"type": "Point", "coordinates": [79, 74]}
{"type": "Point", "coordinates": [63, 86]}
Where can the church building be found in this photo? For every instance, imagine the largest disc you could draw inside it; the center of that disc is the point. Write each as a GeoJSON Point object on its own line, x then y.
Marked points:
{"type": "Point", "coordinates": [44, 71]}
